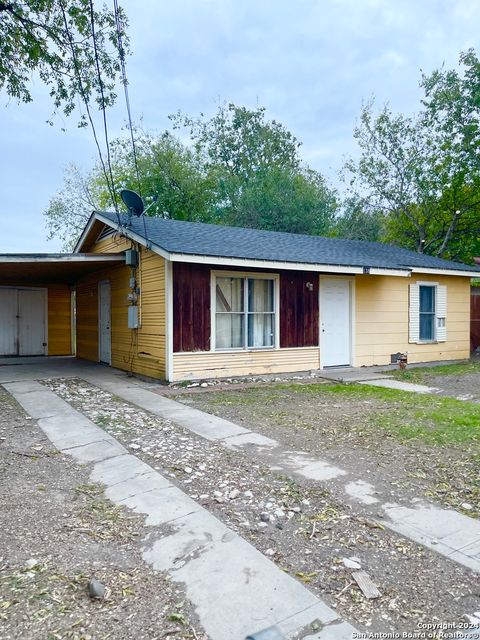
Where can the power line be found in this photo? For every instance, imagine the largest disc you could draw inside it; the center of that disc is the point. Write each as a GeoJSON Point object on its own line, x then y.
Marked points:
{"type": "Point", "coordinates": [86, 103]}
{"type": "Point", "coordinates": [125, 88]}
{"type": "Point", "coordinates": [100, 82]}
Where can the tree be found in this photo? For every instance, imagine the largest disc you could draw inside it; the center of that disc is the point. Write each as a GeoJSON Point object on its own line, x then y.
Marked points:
{"type": "Point", "coordinates": [452, 111]}
{"type": "Point", "coordinates": [69, 210]}
{"type": "Point", "coordinates": [239, 170]}
{"type": "Point", "coordinates": [171, 183]}
{"type": "Point", "coordinates": [357, 222]}
{"type": "Point", "coordinates": [257, 173]}
{"type": "Point", "coordinates": [285, 200]}
{"type": "Point", "coordinates": [411, 172]}
{"type": "Point", "coordinates": [72, 47]}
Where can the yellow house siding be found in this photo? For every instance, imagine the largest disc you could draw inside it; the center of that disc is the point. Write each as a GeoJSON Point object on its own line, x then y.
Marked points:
{"type": "Point", "coordinates": [59, 320]}
{"type": "Point", "coordinates": [141, 350]}
{"type": "Point", "coordinates": [381, 319]}
{"type": "Point", "coordinates": [111, 244]}
{"type": "Point", "coordinates": [209, 364]}
{"type": "Point", "coordinates": [87, 319]}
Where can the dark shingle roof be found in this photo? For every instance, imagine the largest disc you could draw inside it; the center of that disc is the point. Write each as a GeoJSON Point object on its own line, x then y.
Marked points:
{"type": "Point", "coordinates": [195, 238]}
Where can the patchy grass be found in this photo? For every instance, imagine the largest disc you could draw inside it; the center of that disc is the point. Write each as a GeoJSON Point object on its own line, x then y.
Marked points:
{"type": "Point", "coordinates": [424, 443]}
{"type": "Point", "coordinates": [406, 416]}
{"type": "Point", "coordinates": [421, 375]}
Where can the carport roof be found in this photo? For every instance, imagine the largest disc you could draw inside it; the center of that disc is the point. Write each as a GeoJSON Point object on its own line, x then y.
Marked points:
{"type": "Point", "coordinates": [52, 268]}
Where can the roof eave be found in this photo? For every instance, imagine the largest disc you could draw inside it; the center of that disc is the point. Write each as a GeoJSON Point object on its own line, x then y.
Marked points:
{"type": "Point", "coordinates": [78, 245]}
{"type": "Point", "coordinates": [293, 266]}
{"type": "Point", "coordinates": [447, 272]}
{"type": "Point", "coordinates": [59, 258]}
{"type": "Point", "coordinates": [125, 231]}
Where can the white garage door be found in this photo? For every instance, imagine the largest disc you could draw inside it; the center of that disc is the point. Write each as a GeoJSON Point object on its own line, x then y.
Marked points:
{"type": "Point", "coordinates": [23, 330]}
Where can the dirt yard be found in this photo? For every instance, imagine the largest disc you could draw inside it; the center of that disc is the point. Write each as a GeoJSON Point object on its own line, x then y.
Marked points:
{"type": "Point", "coordinates": [459, 380]}
{"type": "Point", "coordinates": [298, 525]}
{"type": "Point", "coordinates": [405, 443]}
{"type": "Point", "coordinates": [56, 532]}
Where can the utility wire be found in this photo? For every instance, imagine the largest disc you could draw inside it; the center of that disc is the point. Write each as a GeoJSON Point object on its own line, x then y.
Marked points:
{"type": "Point", "coordinates": [86, 103]}
{"type": "Point", "coordinates": [127, 102]}
{"type": "Point", "coordinates": [125, 88]}
{"type": "Point", "coordinates": [102, 94]}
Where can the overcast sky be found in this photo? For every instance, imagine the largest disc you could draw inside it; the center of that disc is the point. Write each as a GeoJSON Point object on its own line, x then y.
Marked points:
{"type": "Point", "coordinates": [311, 63]}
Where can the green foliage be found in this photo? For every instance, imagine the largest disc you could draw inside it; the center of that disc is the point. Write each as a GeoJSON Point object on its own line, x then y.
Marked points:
{"type": "Point", "coordinates": [172, 179]}
{"type": "Point", "coordinates": [239, 170]}
{"type": "Point", "coordinates": [283, 200]}
{"type": "Point", "coordinates": [54, 40]}
{"type": "Point", "coordinates": [172, 184]}
{"type": "Point", "coordinates": [358, 222]}
{"type": "Point", "coordinates": [423, 172]}
{"type": "Point", "coordinates": [257, 172]}
{"type": "Point", "coordinates": [71, 207]}
{"type": "Point", "coordinates": [240, 142]}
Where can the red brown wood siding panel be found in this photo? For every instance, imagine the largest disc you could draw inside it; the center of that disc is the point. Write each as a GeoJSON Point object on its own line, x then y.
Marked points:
{"type": "Point", "coordinates": [298, 309]}
{"type": "Point", "coordinates": [475, 318]}
{"type": "Point", "coordinates": [191, 307]}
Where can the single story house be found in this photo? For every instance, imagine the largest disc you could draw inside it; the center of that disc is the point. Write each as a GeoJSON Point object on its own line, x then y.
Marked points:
{"type": "Point", "coordinates": [178, 300]}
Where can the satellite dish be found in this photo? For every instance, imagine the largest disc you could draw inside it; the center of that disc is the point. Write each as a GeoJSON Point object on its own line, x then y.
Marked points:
{"type": "Point", "coordinates": [132, 201]}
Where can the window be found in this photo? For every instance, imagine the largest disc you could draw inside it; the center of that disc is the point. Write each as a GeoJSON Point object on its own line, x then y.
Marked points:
{"type": "Point", "coordinates": [427, 313]}
{"type": "Point", "coordinates": [244, 312]}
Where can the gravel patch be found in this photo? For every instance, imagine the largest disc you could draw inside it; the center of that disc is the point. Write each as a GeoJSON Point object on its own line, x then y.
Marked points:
{"type": "Point", "coordinates": [57, 532]}
{"type": "Point", "coordinates": [297, 524]}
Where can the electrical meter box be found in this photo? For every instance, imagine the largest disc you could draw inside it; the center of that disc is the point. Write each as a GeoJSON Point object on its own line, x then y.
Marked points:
{"type": "Point", "coordinates": [131, 258]}
{"type": "Point", "coordinates": [133, 317]}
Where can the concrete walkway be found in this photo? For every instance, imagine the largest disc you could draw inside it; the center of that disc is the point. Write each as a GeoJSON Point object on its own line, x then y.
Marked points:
{"type": "Point", "coordinates": [236, 590]}
{"type": "Point", "coordinates": [445, 531]}
{"type": "Point", "coordinates": [374, 376]}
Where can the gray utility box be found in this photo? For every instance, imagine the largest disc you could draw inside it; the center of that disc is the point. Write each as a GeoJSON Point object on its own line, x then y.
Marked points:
{"type": "Point", "coordinates": [131, 258]}
{"type": "Point", "coordinates": [133, 317]}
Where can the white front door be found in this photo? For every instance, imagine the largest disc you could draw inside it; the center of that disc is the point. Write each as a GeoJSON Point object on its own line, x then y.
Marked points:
{"type": "Point", "coordinates": [104, 333]}
{"type": "Point", "coordinates": [335, 322]}
{"type": "Point", "coordinates": [23, 327]}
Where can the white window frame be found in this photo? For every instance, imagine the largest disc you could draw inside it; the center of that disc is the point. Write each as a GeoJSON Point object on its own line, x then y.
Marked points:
{"type": "Point", "coordinates": [440, 320]}
{"type": "Point", "coordinates": [213, 310]}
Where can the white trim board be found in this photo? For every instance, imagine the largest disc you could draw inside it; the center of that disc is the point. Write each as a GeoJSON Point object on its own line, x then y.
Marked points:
{"type": "Point", "coordinates": [169, 321]}
{"type": "Point", "coordinates": [446, 272]}
{"type": "Point", "coordinates": [96, 257]}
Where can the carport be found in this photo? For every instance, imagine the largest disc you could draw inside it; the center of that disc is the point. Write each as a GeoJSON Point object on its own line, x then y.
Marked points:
{"type": "Point", "coordinates": [37, 300]}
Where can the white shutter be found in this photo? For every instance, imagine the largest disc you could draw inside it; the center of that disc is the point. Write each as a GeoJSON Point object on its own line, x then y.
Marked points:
{"type": "Point", "coordinates": [414, 314]}
{"type": "Point", "coordinates": [441, 314]}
